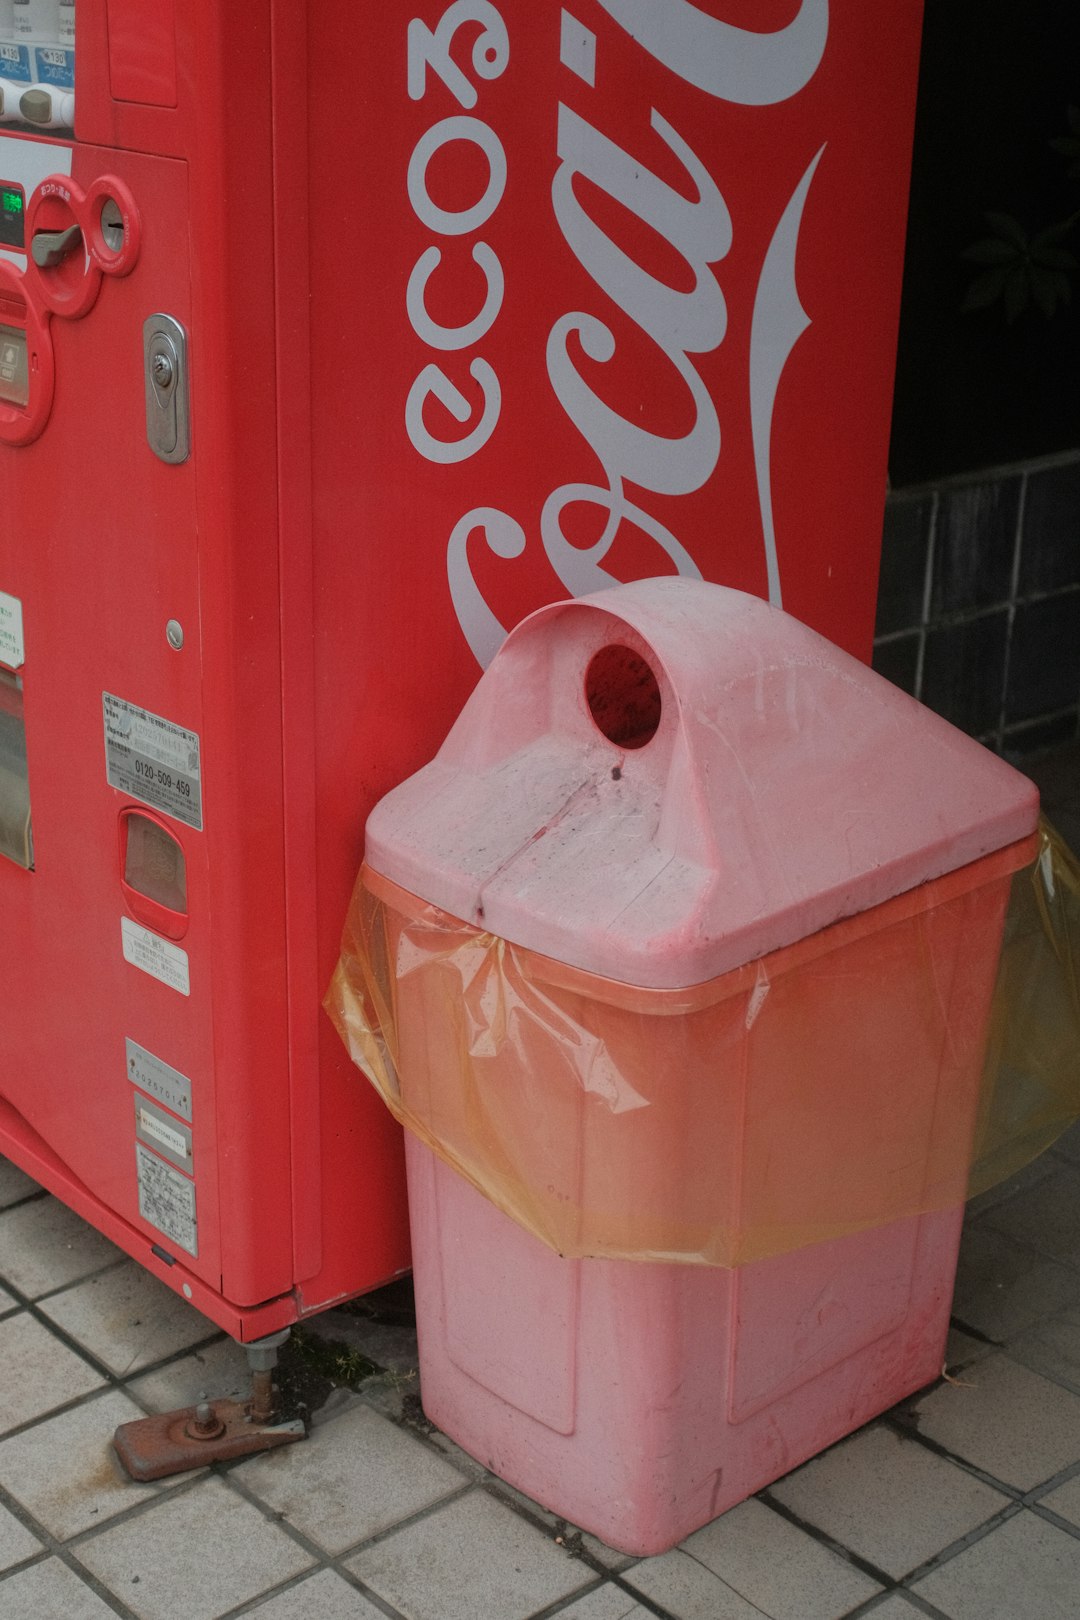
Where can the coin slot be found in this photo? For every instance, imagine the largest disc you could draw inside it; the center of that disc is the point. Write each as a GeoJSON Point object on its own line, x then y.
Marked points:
{"type": "Point", "coordinates": [111, 226]}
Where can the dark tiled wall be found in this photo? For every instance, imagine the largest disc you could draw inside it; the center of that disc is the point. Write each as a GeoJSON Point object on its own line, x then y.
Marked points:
{"type": "Point", "coordinates": [979, 602]}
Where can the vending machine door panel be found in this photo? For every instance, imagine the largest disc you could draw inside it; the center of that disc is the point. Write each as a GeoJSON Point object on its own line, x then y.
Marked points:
{"type": "Point", "coordinates": [107, 951]}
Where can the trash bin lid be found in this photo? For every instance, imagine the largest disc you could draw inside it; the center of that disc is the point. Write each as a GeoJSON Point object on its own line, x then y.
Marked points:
{"type": "Point", "coordinates": [668, 779]}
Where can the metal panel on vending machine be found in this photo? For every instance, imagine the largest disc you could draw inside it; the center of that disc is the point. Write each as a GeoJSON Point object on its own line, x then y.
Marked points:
{"type": "Point", "coordinates": [334, 339]}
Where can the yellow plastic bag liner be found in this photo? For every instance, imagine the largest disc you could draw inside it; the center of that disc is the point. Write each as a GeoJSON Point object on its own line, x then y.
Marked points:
{"type": "Point", "coordinates": [1031, 1079]}
{"type": "Point", "coordinates": [834, 1085]}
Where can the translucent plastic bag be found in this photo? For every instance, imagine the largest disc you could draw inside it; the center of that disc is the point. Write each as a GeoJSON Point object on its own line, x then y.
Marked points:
{"type": "Point", "coordinates": [831, 1086]}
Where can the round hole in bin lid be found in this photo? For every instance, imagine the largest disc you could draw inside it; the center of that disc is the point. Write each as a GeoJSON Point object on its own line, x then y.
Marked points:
{"type": "Point", "coordinates": [623, 696]}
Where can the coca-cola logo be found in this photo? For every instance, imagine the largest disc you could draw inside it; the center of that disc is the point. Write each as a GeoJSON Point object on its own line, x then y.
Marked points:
{"type": "Point", "coordinates": [685, 317]}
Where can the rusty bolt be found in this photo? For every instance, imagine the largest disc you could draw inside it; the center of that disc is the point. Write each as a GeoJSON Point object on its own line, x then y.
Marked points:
{"type": "Point", "coordinates": [205, 1424]}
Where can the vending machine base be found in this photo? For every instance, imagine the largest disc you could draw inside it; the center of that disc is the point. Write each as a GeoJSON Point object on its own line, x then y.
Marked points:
{"type": "Point", "coordinates": [211, 1431]}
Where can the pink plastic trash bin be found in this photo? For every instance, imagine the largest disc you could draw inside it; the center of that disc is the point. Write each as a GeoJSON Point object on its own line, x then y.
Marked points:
{"type": "Point", "coordinates": [686, 941]}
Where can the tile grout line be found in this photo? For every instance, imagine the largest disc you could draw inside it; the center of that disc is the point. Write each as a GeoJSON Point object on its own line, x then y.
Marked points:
{"type": "Point", "coordinates": [985, 1219]}
{"type": "Point", "coordinates": [1014, 589]}
{"type": "Point", "coordinates": [927, 595]}
{"type": "Point", "coordinates": [54, 1547]}
{"type": "Point", "coordinates": [337, 1561]}
{"type": "Point", "coordinates": [552, 1611]}
{"type": "Point", "coordinates": [970, 1539]}
{"type": "Point", "coordinates": [245, 1491]}
{"type": "Point", "coordinates": [866, 1611]}
{"type": "Point", "coordinates": [996, 474]}
{"type": "Point", "coordinates": [970, 615]}
{"type": "Point", "coordinates": [112, 1380]}
{"type": "Point", "coordinates": [249, 1605]}
{"type": "Point", "coordinates": [488, 1486]}
{"type": "Point", "coordinates": [65, 1287]}
{"type": "Point", "coordinates": [905, 1426]}
{"type": "Point", "coordinates": [816, 1533]}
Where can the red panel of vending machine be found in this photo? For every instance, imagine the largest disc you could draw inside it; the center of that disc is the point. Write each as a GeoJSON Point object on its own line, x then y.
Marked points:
{"type": "Point", "coordinates": [334, 339]}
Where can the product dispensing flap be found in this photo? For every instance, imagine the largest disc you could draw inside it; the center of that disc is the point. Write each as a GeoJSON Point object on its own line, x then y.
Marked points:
{"type": "Point", "coordinates": [669, 779]}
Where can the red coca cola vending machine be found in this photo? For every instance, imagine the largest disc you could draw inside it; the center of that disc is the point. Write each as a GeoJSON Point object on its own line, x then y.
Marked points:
{"type": "Point", "coordinates": [333, 339]}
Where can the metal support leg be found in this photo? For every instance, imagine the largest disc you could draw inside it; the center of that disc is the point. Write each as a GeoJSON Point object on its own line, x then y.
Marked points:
{"type": "Point", "coordinates": [212, 1431]}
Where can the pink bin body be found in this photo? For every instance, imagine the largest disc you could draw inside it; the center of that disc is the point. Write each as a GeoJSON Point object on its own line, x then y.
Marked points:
{"type": "Point", "coordinates": [638, 1401]}
{"type": "Point", "coordinates": [786, 787]}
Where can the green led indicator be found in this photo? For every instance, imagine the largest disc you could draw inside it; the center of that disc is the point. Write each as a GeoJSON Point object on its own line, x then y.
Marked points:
{"type": "Point", "coordinates": [13, 202]}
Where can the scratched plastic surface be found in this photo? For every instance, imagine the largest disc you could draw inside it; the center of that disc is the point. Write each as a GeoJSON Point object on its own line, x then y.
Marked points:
{"type": "Point", "coordinates": [819, 1080]}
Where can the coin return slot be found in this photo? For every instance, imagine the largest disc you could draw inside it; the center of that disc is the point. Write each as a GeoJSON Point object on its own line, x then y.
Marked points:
{"type": "Point", "coordinates": [154, 864]}
{"type": "Point", "coordinates": [14, 366]}
{"type": "Point", "coordinates": [16, 839]}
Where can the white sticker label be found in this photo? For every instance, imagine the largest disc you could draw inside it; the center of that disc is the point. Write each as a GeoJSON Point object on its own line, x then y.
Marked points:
{"type": "Point", "coordinates": [165, 1083]}
{"type": "Point", "coordinates": [153, 760]}
{"type": "Point", "coordinates": [168, 1136]}
{"type": "Point", "coordinates": [12, 651]}
{"type": "Point", "coordinates": [156, 956]}
{"type": "Point", "coordinates": [167, 1199]}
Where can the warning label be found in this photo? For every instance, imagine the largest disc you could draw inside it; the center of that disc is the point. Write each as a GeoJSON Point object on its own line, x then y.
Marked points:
{"type": "Point", "coordinates": [167, 1199]}
{"type": "Point", "coordinates": [12, 652]}
{"type": "Point", "coordinates": [156, 956]}
{"type": "Point", "coordinates": [153, 760]}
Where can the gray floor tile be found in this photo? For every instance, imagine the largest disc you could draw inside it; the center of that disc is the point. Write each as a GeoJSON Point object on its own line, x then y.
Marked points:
{"type": "Point", "coordinates": [1065, 1501]}
{"type": "Point", "coordinates": [471, 1560]}
{"type": "Point", "coordinates": [1068, 1146]}
{"type": "Point", "coordinates": [606, 1603]}
{"type": "Point", "coordinates": [1004, 1287]}
{"type": "Point", "coordinates": [351, 1479]}
{"type": "Point", "coordinates": [888, 1499]}
{"type": "Point", "coordinates": [688, 1589]}
{"type": "Point", "coordinates": [610, 1557]}
{"type": "Point", "coordinates": [896, 1607]}
{"type": "Point", "coordinates": [40, 1373]}
{"type": "Point", "coordinates": [65, 1472]}
{"type": "Point", "coordinates": [8, 1302]}
{"type": "Point", "coordinates": [1052, 1347]}
{"type": "Point", "coordinates": [49, 1591]}
{"type": "Point", "coordinates": [1047, 1217]}
{"type": "Point", "coordinates": [962, 1351]}
{"type": "Point", "coordinates": [1025, 1570]}
{"type": "Point", "coordinates": [214, 1372]}
{"type": "Point", "coordinates": [1010, 1422]}
{"type": "Point", "coordinates": [16, 1541]}
{"type": "Point", "coordinates": [778, 1567]}
{"type": "Point", "coordinates": [14, 1184]}
{"type": "Point", "coordinates": [324, 1596]}
{"type": "Point", "coordinates": [386, 1394]}
{"type": "Point", "coordinates": [1014, 1186]}
{"type": "Point", "coordinates": [198, 1555]}
{"type": "Point", "coordinates": [44, 1245]}
{"type": "Point", "coordinates": [127, 1318]}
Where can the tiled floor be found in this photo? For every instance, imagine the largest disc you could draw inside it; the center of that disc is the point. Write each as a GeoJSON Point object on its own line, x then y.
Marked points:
{"type": "Point", "coordinates": [963, 1502]}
